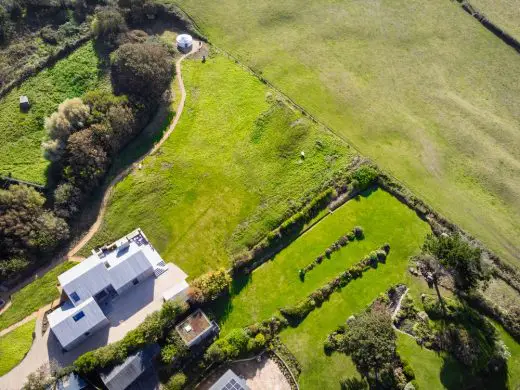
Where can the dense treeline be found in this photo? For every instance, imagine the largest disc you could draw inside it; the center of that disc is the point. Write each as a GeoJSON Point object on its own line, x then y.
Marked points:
{"type": "Point", "coordinates": [27, 229]}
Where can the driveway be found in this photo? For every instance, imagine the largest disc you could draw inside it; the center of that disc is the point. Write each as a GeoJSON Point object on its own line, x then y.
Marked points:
{"type": "Point", "coordinates": [125, 313]}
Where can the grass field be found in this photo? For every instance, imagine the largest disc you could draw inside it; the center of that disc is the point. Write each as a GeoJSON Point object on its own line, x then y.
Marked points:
{"type": "Point", "coordinates": [33, 296]}
{"type": "Point", "coordinates": [22, 133]}
{"type": "Point", "coordinates": [227, 175]}
{"type": "Point", "coordinates": [503, 13]}
{"type": "Point", "coordinates": [14, 346]}
{"type": "Point", "coordinates": [421, 87]}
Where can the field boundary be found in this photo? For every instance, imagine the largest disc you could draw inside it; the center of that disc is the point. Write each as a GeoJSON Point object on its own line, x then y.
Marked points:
{"type": "Point", "coordinates": [489, 25]}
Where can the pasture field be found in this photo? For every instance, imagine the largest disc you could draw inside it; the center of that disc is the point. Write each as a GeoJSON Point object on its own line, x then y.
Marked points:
{"type": "Point", "coordinates": [22, 133]}
{"type": "Point", "coordinates": [503, 13]}
{"type": "Point", "coordinates": [14, 346]}
{"type": "Point", "coordinates": [421, 87]}
{"type": "Point", "coordinates": [33, 296]}
{"type": "Point", "coordinates": [227, 175]}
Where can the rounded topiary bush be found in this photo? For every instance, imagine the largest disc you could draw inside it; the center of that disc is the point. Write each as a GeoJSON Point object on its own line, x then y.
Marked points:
{"type": "Point", "coordinates": [358, 232]}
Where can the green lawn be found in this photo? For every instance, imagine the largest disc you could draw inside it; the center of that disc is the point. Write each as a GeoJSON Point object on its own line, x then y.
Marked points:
{"type": "Point", "coordinates": [503, 13]}
{"type": "Point", "coordinates": [421, 87]}
{"type": "Point", "coordinates": [14, 346]}
{"type": "Point", "coordinates": [227, 175]}
{"type": "Point", "coordinates": [33, 296]}
{"type": "Point", "coordinates": [22, 133]}
{"type": "Point", "coordinates": [383, 218]}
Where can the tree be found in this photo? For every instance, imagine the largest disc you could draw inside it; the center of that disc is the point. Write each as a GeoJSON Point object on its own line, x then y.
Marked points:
{"type": "Point", "coordinates": [370, 341]}
{"type": "Point", "coordinates": [176, 382]}
{"type": "Point", "coordinates": [86, 160]}
{"type": "Point", "coordinates": [433, 266]}
{"type": "Point", "coordinates": [210, 286]}
{"type": "Point", "coordinates": [67, 199]}
{"type": "Point", "coordinates": [24, 223]}
{"type": "Point", "coordinates": [142, 69]}
{"type": "Point", "coordinates": [71, 116]}
{"type": "Point", "coordinates": [456, 254]}
{"type": "Point", "coordinates": [108, 24]}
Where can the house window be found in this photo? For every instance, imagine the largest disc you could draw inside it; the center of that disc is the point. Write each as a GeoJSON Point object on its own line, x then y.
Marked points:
{"type": "Point", "coordinates": [74, 296]}
{"type": "Point", "coordinates": [135, 281]}
{"type": "Point", "coordinates": [86, 334]}
{"type": "Point", "coordinates": [107, 265]}
{"type": "Point", "coordinates": [78, 316]}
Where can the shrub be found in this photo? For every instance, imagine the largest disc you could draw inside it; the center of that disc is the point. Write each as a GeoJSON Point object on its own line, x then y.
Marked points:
{"type": "Point", "coordinates": [365, 176]}
{"type": "Point", "coordinates": [408, 371]}
{"type": "Point", "coordinates": [210, 286]}
{"type": "Point", "coordinates": [108, 24]}
{"type": "Point", "coordinates": [142, 69]}
{"type": "Point", "coordinates": [49, 35]}
{"type": "Point", "coordinates": [256, 344]}
{"type": "Point", "coordinates": [176, 382]}
{"type": "Point", "coordinates": [386, 248]}
{"type": "Point", "coordinates": [358, 232]}
{"type": "Point", "coordinates": [230, 347]}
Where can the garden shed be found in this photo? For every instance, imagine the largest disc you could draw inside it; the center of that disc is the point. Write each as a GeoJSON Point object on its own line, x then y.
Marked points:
{"type": "Point", "coordinates": [24, 103]}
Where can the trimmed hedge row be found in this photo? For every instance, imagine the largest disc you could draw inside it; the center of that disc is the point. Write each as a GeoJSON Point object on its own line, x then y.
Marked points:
{"type": "Point", "coordinates": [297, 313]}
{"type": "Point", "coordinates": [288, 228]}
{"type": "Point", "coordinates": [356, 233]}
{"type": "Point", "coordinates": [155, 327]}
{"type": "Point", "coordinates": [210, 286]}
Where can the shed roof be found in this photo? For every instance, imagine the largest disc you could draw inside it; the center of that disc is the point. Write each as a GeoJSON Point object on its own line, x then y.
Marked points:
{"type": "Point", "coordinates": [68, 330]}
{"type": "Point", "coordinates": [122, 376]}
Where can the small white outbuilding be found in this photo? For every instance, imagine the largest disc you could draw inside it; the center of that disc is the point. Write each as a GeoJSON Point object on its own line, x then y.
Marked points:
{"type": "Point", "coordinates": [184, 42]}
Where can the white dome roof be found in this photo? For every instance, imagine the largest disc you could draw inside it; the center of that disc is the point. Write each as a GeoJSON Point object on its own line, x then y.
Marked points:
{"type": "Point", "coordinates": [184, 40]}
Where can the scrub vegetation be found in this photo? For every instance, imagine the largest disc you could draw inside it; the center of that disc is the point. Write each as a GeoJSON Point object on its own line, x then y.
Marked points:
{"type": "Point", "coordinates": [230, 172]}
{"type": "Point", "coordinates": [422, 88]}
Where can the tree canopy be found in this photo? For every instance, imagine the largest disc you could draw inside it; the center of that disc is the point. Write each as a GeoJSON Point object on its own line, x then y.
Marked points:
{"type": "Point", "coordinates": [456, 254]}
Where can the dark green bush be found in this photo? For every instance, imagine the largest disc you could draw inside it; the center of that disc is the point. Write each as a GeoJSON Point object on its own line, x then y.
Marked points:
{"type": "Point", "coordinates": [176, 382]}
{"type": "Point", "coordinates": [210, 286]}
{"type": "Point", "coordinates": [365, 176]}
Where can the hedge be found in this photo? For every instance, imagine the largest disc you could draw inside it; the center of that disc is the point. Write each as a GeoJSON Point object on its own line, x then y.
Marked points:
{"type": "Point", "coordinates": [297, 313]}
{"type": "Point", "coordinates": [288, 228]}
{"type": "Point", "coordinates": [154, 328]}
{"type": "Point", "coordinates": [355, 233]}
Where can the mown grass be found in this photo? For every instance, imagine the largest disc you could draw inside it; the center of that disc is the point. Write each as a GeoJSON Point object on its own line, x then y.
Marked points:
{"type": "Point", "coordinates": [503, 13]}
{"type": "Point", "coordinates": [15, 345]}
{"type": "Point", "coordinates": [33, 296]}
{"type": "Point", "coordinates": [22, 133]}
{"type": "Point", "coordinates": [383, 218]}
{"type": "Point", "coordinates": [421, 87]}
{"type": "Point", "coordinates": [227, 175]}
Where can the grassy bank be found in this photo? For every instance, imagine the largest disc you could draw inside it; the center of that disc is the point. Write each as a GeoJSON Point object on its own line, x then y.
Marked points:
{"type": "Point", "coordinates": [422, 88]}
{"type": "Point", "coordinates": [15, 345]}
{"type": "Point", "coordinates": [33, 296]}
{"type": "Point", "coordinates": [22, 133]}
{"type": "Point", "coordinates": [227, 175]}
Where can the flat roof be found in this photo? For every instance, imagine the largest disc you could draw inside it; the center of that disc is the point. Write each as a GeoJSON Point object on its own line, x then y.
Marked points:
{"type": "Point", "coordinates": [195, 325]}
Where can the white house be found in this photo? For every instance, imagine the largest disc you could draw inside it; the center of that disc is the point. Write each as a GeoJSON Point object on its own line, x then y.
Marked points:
{"type": "Point", "coordinates": [106, 274]}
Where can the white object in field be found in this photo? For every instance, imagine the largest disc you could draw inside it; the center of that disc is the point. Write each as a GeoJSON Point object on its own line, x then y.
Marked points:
{"type": "Point", "coordinates": [302, 153]}
{"type": "Point", "coordinates": [184, 41]}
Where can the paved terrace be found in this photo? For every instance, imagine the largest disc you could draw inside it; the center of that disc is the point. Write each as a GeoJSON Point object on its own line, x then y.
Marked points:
{"type": "Point", "coordinates": [124, 313]}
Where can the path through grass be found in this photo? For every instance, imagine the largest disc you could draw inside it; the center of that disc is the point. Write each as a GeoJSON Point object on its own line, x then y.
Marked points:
{"type": "Point", "coordinates": [421, 87]}
{"type": "Point", "coordinates": [227, 175]}
{"type": "Point", "coordinates": [22, 133]}
{"type": "Point", "coordinates": [33, 296]}
{"type": "Point", "coordinates": [15, 345]}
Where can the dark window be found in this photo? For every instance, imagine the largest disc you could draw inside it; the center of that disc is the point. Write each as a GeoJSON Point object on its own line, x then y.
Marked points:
{"type": "Point", "coordinates": [107, 264]}
{"type": "Point", "coordinates": [135, 281]}
{"type": "Point", "coordinates": [78, 316]}
{"type": "Point", "coordinates": [74, 296]}
{"type": "Point", "coordinates": [86, 334]}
